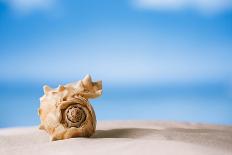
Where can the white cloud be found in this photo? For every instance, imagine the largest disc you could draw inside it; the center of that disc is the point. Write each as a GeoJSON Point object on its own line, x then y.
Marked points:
{"type": "Point", "coordinates": [203, 6]}
{"type": "Point", "coordinates": [27, 6]}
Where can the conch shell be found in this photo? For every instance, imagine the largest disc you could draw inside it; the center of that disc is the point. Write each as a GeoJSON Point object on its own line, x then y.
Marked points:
{"type": "Point", "coordinates": [65, 112]}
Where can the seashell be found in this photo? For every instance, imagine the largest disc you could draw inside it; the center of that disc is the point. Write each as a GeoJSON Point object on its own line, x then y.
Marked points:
{"type": "Point", "coordinates": [65, 112]}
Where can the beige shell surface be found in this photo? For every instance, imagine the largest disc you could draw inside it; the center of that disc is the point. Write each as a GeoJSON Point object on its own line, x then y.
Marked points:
{"type": "Point", "coordinates": [65, 112]}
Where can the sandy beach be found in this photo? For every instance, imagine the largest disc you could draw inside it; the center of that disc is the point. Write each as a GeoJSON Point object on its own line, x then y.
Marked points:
{"type": "Point", "coordinates": [124, 137]}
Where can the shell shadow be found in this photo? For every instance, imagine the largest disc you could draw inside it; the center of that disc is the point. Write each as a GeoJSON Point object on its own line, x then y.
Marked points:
{"type": "Point", "coordinates": [207, 137]}
{"type": "Point", "coordinates": [124, 133]}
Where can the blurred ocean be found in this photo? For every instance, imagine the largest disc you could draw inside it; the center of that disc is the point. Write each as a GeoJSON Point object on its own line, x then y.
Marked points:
{"type": "Point", "coordinates": [197, 102]}
{"type": "Point", "coordinates": [158, 59]}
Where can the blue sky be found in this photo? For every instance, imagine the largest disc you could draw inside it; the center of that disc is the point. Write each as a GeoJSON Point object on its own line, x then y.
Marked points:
{"type": "Point", "coordinates": [117, 41]}
{"type": "Point", "coordinates": [159, 60]}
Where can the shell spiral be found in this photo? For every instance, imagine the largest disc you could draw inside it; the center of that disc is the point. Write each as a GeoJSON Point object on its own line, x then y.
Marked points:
{"type": "Point", "coordinates": [74, 116]}
{"type": "Point", "coordinates": [65, 112]}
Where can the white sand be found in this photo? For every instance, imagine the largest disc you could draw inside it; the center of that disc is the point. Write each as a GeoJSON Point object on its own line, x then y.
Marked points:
{"type": "Point", "coordinates": [124, 137]}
